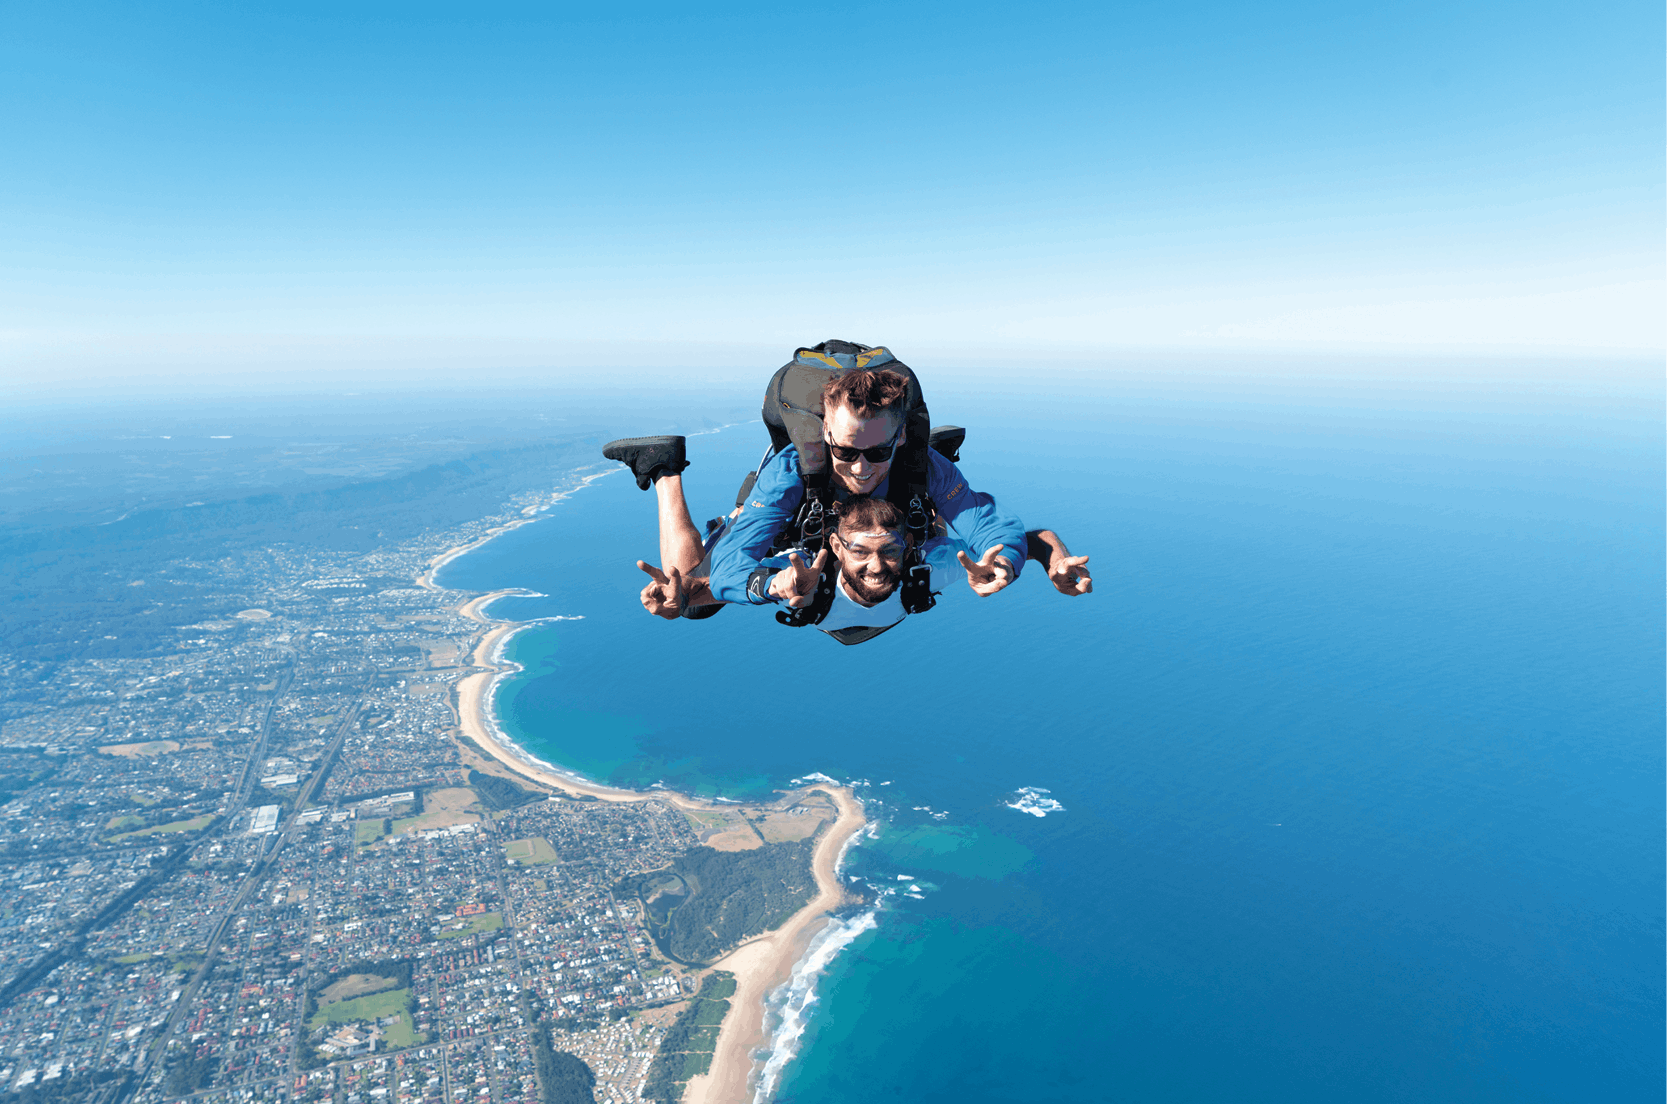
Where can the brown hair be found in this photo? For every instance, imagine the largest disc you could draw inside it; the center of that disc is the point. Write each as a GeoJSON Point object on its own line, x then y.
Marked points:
{"type": "Point", "coordinates": [865, 393]}
{"type": "Point", "coordinates": [863, 514]}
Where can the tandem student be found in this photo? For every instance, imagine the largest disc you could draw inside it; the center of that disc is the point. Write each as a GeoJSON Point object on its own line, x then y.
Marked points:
{"type": "Point", "coordinates": [862, 424]}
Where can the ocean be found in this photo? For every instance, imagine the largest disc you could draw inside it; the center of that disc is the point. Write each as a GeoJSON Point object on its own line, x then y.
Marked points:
{"type": "Point", "coordinates": [1345, 784]}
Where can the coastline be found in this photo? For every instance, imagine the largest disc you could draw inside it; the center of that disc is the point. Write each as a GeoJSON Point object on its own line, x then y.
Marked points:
{"type": "Point", "coordinates": [759, 966]}
{"type": "Point", "coordinates": [766, 962]}
{"type": "Point", "coordinates": [528, 515]}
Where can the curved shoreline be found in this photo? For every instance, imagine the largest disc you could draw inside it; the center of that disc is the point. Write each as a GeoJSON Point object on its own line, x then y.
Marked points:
{"type": "Point", "coordinates": [760, 965]}
{"type": "Point", "coordinates": [768, 961]}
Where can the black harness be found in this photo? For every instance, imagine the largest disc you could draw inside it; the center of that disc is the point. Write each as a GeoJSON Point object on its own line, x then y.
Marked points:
{"type": "Point", "coordinates": [811, 524]}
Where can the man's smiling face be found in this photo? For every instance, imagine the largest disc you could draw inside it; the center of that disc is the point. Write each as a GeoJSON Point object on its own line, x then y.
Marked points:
{"type": "Point", "coordinates": [844, 430]}
{"type": "Point", "coordinates": [871, 562]}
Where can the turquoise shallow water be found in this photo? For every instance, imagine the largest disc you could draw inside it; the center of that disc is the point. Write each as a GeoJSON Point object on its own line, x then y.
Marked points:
{"type": "Point", "coordinates": [1358, 744]}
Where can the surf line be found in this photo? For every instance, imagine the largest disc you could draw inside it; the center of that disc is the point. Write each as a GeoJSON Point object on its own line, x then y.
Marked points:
{"type": "Point", "coordinates": [788, 1005]}
{"type": "Point", "coordinates": [763, 965]}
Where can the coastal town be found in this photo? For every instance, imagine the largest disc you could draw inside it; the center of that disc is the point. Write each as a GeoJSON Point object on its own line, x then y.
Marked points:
{"type": "Point", "coordinates": [288, 858]}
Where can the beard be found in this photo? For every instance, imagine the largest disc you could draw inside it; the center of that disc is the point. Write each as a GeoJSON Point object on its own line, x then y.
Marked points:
{"type": "Point", "coordinates": [873, 587]}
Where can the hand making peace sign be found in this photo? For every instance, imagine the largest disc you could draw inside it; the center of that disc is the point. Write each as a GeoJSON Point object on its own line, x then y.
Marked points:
{"type": "Point", "coordinates": [796, 584]}
{"type": "Point", "coordinates": [664, 595]}
{"type": "Point", "coordinates": [1069, 576]}
{"type": "Point", "coordinates": [990, 573]}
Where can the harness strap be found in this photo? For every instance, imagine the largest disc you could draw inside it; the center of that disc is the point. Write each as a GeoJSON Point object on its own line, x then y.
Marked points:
{"type": "Point", "coordinates": [917, 595]}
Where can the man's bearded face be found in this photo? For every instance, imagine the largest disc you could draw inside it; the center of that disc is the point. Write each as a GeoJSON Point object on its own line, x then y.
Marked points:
{"type": "Point", "coordinates": [871, 562]}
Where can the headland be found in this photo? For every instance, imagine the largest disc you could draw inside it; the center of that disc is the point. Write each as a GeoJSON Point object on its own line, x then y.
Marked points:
{"type": "Point", "coordinates": [759, 965]}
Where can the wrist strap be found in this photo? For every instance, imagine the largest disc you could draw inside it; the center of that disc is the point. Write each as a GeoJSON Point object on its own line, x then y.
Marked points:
{"type": "Point", "coordinates": [758, 585]}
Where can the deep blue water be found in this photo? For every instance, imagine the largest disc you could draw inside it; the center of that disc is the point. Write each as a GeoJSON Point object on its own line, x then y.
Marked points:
{"type": "Point", "coordinates": [1359, 741]}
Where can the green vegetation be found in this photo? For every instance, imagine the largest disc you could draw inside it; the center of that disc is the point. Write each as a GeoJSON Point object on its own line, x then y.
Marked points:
{"type": "Point", "coordinates": [372, 1007]}
{"type": "Point", "coordinates": [369, 831]}
{"type": "Point", "coordinates": [26, 773]}
{"type": "Point", "coordinates": [733, 895]}
{"type": "Point", "coordinates": [485, 922]}
{"type": "Point", "coordinates": [402, 1034]}
{"type": "Point", "coordinates": [563, 1078]}
{"type": "Point", "coordinates": [133, 959]}
{"type": "Point", "coordinates": [354, 982]}
{"type": "Point", "coordinates": [500, 793]}
{"type": "Point", "coordinates": [397, 970]}
{"type": "Point", "coordinates": [530, 852]}
{"type": "Point", "coordinates": [354, 985]}
{"type": "Point", "coordinates": [189, 1073]}
{"type": "Point", "coordinates": [195, 824]}
{"type": "Point", "coordinates": [687, 1049]}
{"type": "Point", "coordinates": [124, 822]}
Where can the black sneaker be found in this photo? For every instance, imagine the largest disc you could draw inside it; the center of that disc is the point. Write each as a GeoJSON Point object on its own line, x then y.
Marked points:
{"type": "Point", "coordinates": [648, 457]}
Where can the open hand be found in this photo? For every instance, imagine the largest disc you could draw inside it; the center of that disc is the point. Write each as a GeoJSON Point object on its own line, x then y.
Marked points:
{"type": "Point", "coordinates": [992, 571]}
{"type": "Point", "coordinates": [1069, 576]}
{"type": "Point", "coordinates": [664, 595]}
{"type": "Point", "coordinates": [796, 583]}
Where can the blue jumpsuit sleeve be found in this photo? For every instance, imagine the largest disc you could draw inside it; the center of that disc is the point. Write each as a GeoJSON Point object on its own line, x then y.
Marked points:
{"type": "Point", "coordinates": [774, 499]}
{"type": "Point", "coordinates": [973, 516]}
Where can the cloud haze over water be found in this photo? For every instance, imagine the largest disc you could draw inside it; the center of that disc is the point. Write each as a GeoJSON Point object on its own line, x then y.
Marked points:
{"type": "Point", "coordinates": [201, 189]}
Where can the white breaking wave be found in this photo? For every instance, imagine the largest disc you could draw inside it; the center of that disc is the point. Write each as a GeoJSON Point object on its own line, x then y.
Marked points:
{"type": "Point", "coordinates": [1035, 801]}
{"type": "Point", "coordinates": [792, 999]}
{"type": "Point", "coordinates": [813, 776]}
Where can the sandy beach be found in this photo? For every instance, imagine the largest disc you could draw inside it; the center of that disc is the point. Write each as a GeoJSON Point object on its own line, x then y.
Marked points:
{"type": "Point", "coordinates": [766, 962]}
{"type": "Point", "coordinates": [760, 965]}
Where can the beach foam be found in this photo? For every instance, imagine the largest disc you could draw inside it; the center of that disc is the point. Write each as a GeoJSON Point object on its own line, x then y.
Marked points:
{"type": "Point", "coordinates": [1035, 801]}
{"type": "Point", "coordinates": [789, 1003]}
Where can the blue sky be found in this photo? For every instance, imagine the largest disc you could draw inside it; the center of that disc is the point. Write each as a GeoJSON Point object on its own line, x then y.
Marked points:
{"type": "Point", "coordinates": [216, 187]}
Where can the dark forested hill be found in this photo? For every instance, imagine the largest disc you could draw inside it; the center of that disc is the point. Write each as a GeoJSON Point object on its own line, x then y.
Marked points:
{"type": "Point", "coordinates": [734, 896]}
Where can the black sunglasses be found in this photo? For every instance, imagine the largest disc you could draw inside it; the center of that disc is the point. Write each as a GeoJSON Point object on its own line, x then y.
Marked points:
{"type": "Point", "coordinates": [879, 454]}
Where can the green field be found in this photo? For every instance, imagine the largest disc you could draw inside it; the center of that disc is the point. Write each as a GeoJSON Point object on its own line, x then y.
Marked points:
{"type": "Point", "coordinates": [129, 960]}
{"type": "Point", "coordinates": [193, 825]}
{"type": "Point", "coordinates": [369, 831]}
{"type": "Point", "coordinates": [403, 1033]}
{"type": "Point", "coordinates": [485, 922]}
{"type": "Point", "coordinates": [530, 852]}
{"type": "Point", "coordinates": [372, 1007]}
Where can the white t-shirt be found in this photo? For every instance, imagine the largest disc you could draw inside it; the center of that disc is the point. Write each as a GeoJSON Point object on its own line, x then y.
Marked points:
{"type": "Point", "coordinates": [851, 622]}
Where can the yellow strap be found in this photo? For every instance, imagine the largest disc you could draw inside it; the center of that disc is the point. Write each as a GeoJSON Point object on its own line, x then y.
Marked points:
{"type": "Point", "coordinates": [812, 354]}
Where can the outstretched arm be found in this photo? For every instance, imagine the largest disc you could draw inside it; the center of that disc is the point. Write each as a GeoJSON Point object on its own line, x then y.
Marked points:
{"type": "Point", "coordinates": [1068, 573]}
{"type": "Point", "coordinates": [770, 505]}
{"type": "Point", "coordinates": [975, 518]}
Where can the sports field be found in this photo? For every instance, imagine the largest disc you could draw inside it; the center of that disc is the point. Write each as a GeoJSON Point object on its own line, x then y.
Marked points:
{"type": "Point", "coordinates": [192, 825]}
{"type": "Point", "coordinates": [486, 922]}
{"type": "Point", "coordinates": [530, 852]}
{"type": "Point", "coordinates": [372, 1008]}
